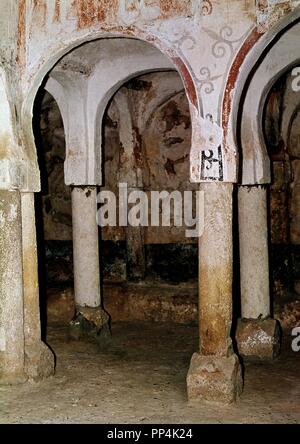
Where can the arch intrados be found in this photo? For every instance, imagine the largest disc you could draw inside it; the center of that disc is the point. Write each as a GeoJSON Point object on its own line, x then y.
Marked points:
{"type": "Point", "coordinates": [259, 83]}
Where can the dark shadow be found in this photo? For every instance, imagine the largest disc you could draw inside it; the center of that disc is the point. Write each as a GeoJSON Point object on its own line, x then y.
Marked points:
{"type": "Point", "coordinates": [236, 289]}
{"type": "Point", "coordinates": [42, 272]}
{"type": "Point", "coordinates": [280, 255]}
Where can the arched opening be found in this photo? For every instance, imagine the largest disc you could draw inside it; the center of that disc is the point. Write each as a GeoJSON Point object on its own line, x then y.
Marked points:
{"type": "Point", "coordinates": [110, 70]}
{"type": "Point", "coordinates": [147, 143]}
{"type": "Point", "coordinates": [116, 112]}
{"type": "Point", "coordinates": [259, 122]}
{"type": "Point", "coordinates": [53, 209]}
{"type": "Point", "coordinates": [281, 132]}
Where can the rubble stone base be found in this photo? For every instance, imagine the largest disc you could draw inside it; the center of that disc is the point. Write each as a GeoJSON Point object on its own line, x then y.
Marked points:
{"type": "Point", "coordinates": [215, 379]}
{"type": "Point", "coordinates": [90, 322]}
{"type": "Point", "coordinates": [258, 339]}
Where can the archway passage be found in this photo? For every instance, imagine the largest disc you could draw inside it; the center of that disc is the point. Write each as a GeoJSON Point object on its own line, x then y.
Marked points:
{"type": "Point", "coordinates": [107, 118]}
{"type": "Point", "coordinates": [147, 143]}
{"type": "Point", "coordinates": [281, 132]}
{"type": "Point", "coordinates": [134, 112]}
{"type": "Point", "coordinates": [147, 157]}
{"type": "Point", "coordinates": [255, 131]}
{"type": "Point", "coordinates": [83, 84]}
{"type": "Point", "coordinates": [150, 114]}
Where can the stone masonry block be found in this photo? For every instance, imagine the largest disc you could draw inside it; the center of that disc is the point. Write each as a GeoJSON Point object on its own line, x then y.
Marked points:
{"type": "Point", "coordinates": [258, 339]}
{"type": "Point", "coordinates": [214, 378]}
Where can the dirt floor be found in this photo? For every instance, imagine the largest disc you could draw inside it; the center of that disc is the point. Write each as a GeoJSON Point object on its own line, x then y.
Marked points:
{"type": "Point", "coordinates": [140, 378]}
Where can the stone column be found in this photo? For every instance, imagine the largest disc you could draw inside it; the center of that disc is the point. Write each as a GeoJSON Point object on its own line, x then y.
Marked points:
{"type": "Point", "coordinates": [135, 249]}
{"type": "Point", "coordinates": [131, 172]}
{"type": "Point", "coordinates": [215, 372]}
{"type": "Point", "coordinates": [257, 334]}
{"type": "Point", "coordinates": [12, 341]}
{"type": "Point", "coordinates": [90, 317]}
{"type": "Point", "coordinates": [39, 360]}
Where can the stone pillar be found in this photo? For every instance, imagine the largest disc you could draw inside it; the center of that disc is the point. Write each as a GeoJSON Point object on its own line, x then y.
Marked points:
{"type": "Point", "coordinates": [12, 341]}
{"type": "Point", "coordinates": [135, 249]}
{"type": "Point", "coordinates": [215, 372]}
{"type": "Point", "coordinates": [90, 317]}
{"type": "Point", "coordinates": [131, 173]}
{"type": "Point", "coordinates": [39, 360]}
{"type": "Point", "coordinates": [257, 334]}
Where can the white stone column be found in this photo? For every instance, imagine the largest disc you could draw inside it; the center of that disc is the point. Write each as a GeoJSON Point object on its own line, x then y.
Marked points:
{"type": "Point", "coordinates": [86, 247]}
{"type": "Point", "coordinates": [90, 317]}
{"type": "Point", "coordinates": [12, 341]}
{"type": "Point", "coordinates": [254, 255]}
{"type": "Point", "coordinates": [215, 372]}
{"type": "Point", "coordinates": [257, 334]}
{"type": "Point", "coordinates": [39, 359]}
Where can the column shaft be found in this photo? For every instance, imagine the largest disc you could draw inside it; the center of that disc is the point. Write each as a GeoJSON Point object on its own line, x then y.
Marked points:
{"type": "Point", "coordinates": [215, 372]}
{"type": "Point", "coordinates": [86, 247]}
{"type": "Point", "coordinates": [39, 360]}
{"type": "Point", "coordinates": [215, 270]}
{"type": "Point", "coordinates": [257, 335]}
{"type": "Point", "coordinates": [254, 255]}
{"type": "Point", "coordinates": [12, 358]}
{"type": "Point", "coordinates": [32, 329]}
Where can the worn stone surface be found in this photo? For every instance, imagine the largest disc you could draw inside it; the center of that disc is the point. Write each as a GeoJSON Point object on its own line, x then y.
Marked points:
{"type": "Point", "coordinates": [289, 315]}
{"type": "Point", "coordinates": [141, 379]}
{"type": "Point", "coordinates": [113, 257]}
{"type": "Point", "coordinates": [254, 254]}
{"type": "Point", "coordinates": [148, 301]}
{"type": "Point", "coordinates": [216, 379]}
{"type": "Point", "coordinates": [215, 271]}
{"type": "Point", "coordinates": [22, 354]}
{"type": "Point", "coordinates": [258, 338]}
{"type": "Point", "coordinates": [279, 203]}
{"type": "Point", "coordinates": [86, 247]}
{"type": "Point", "coordinates": [60, 305]}
{"type": "Point", "coordinates": [12, 338]}
{"type": "Point", "coordinates": [89, 322]}
{"type": "Point", "coordinates": [39, 359]}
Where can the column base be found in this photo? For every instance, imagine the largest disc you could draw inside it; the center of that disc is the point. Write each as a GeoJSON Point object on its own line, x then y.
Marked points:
{"type": "Point", "coordinates": [39, 361]}
{"type": "Point", "coordinates": [90, 322]}
{"type": "Point", "coordinates": [258, 339]}
{"type": "Point", "coordinates": [214, 379]}
{"type": "Point", "coordinates": [39, 364]}
{"type": "Point", "coordinates": [13, 379]}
